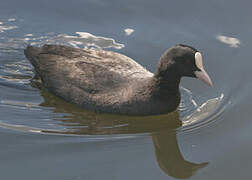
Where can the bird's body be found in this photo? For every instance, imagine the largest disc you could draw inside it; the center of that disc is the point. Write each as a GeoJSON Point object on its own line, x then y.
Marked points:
{"type": "Point", "coordinates": [104, 81]}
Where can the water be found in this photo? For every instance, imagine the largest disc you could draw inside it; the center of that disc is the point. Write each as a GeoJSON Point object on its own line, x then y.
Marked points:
{"type": "Point", "coordinates": [43, 137]}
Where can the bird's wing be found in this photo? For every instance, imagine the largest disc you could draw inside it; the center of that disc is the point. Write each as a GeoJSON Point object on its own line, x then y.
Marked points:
{"type": "Point", "coordinates": [93, 71]}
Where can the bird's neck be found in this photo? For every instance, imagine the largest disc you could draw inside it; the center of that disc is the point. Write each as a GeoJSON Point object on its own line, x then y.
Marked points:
{"type": "Point", "coordinates": [157, 95]}
{"type": "Point", "coordinates": [168, 84]}
{"type": "Point", "coordinates": [159, 88]}
{"type": "Point", "coordinates": [167, 77]}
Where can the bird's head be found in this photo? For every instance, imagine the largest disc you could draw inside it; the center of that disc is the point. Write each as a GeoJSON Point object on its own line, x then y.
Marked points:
{"type": "Point", "coordinates": [182, 60]}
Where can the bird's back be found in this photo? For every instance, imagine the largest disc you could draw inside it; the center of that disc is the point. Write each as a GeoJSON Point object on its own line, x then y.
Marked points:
{"type": "Point", "coordinates": [85, 76]}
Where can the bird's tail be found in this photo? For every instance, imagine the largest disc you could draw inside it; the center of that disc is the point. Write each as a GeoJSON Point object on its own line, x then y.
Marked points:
{"type": "Point", "coordinates": [32, 53]}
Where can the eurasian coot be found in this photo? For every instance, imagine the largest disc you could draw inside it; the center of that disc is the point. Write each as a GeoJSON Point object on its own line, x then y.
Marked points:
{"type": "Point", "coordinates": [106, 81]}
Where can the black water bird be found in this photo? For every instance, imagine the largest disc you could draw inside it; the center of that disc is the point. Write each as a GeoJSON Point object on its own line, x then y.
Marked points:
{"type": "Point", "coordinates": [106, 81]}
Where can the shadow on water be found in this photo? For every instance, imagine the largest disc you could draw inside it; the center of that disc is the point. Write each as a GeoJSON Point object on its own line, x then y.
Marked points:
{"type": "Point", "coordinates": [162, 128]}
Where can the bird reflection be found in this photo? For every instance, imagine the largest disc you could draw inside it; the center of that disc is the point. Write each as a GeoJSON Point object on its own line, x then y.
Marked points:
{"type": "Point", "coordinates": [169, 157]}
{"type": "Point", "coordinates": [163, 130]}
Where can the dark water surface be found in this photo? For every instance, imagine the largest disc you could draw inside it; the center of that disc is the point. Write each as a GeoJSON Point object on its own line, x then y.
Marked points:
{"type": "Point", "coordinates": [209, 137]}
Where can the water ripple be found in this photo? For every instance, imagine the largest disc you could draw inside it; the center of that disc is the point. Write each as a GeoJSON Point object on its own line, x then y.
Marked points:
{"type": "Point", "coordinates": [82, 39]}
{"type": "Point", "coordinates": [43, 112]}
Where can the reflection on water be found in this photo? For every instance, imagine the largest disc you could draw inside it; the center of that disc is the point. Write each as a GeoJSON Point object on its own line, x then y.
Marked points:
{"type": "Point", "coordinates": [82, 39]}
{"type": "Point", "coordinates": [11, 19]}
{"type": "Point", "coordinates": [169, 157]}
{"type": "Point", "coordinates": [163, 129]}
{"type": "Point", "coordinates": [128, 31]}
{"type": "Point", "coordinates": [231, 41]}
{"type": "Point", "coordinates": [28, 35]}
{"type": "Point", "coordinates": [7, 27]}
{"type": "Point", "coordinates": [80, 122]}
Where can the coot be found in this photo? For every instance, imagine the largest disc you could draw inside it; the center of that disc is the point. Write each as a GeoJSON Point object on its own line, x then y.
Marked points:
{"type": "Point", "coordinates": [105, 81]}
